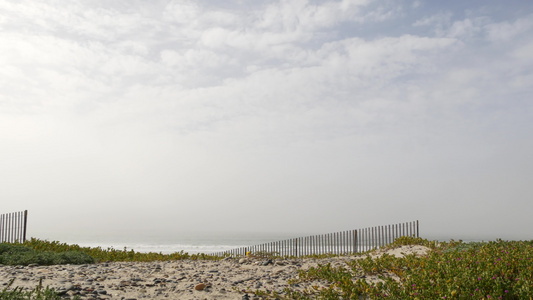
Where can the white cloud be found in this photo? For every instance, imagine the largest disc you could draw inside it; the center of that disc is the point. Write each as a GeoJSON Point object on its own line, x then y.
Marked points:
{"type": "Point", "coordinates": [380, 61]}
{"type": "Point", "coordinates": [215, 37]}
{"type": "Point", "coordinates": [289, 104]}
{"type": "Point", "coordinates": [438, 20]}
{"type": "Point", "coordinates": [523, 53]}
{"type": "Point", "coordinates": [466, 28]}
{"type": "Point", "coordinates": [504, 31]}
{"type": "Point", "coordinates": [182, 12]}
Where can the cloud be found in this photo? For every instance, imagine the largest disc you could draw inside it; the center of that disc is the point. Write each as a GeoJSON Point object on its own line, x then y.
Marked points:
{"type": "Point", "coordinates": [438, 20]}
{"type": "Point", "coordinates": [293, 15]}
{"type": "Point", "coordinates": [504, 31]}
{"type": "Point", "coordinates": [467, 28]}
{"type": "Point", "coordinates": [292, 108]}
{"type": "Point", "coordinates": [182, 12]}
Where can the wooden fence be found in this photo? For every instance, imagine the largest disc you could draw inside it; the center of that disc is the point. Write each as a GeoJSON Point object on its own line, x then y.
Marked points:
{"type": "Point", "coordinates": [344, 242]}
{"type": "Point", "coordinates": [13, 227]}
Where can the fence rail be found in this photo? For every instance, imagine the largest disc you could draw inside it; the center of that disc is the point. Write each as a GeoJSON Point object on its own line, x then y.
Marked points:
{"type": "Point", "coordinates": [13, 227]}
{"type": "Point", "coordinates": [343, 242]}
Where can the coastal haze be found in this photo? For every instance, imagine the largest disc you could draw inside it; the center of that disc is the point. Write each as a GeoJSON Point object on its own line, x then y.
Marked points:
{"type": "Point", "coordinates": [166, 120]}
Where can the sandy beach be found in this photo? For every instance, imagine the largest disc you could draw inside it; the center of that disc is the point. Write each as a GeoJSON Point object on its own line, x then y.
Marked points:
{"type": "Point", "coordinates": [185, 279]}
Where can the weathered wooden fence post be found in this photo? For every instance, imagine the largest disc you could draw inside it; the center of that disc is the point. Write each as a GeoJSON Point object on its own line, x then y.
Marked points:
{"type": "Point", "coordinates": [13, 227]}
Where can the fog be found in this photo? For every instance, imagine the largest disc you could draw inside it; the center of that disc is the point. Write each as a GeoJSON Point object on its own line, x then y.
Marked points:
{"type": "Point", "coordinates": [131, 118]}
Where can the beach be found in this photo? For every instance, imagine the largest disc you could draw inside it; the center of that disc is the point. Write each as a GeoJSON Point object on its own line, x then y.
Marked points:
{"type": "Point", "coordinates": [183, 279]}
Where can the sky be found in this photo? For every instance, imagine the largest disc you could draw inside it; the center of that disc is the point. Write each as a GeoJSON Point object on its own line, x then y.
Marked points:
{"type": "Point", "coordinates": [132, 118]}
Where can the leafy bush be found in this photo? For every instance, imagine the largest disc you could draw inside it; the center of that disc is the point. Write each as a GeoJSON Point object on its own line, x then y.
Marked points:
{"type": "Point", "coordinates": [17, 254]}
{"type": "Point", "coordinates": [111, 254]}
{"type": "Point", "coordinates": [12, 248]}
{"type": "Point", "coordinates": [454, 270]}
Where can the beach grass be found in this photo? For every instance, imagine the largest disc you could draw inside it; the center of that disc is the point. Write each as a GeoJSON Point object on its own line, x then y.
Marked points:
{"type": "Point", "coordinates": [38, 293]}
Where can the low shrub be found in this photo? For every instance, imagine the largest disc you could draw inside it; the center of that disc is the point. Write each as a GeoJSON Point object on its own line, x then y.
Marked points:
{"type": "Point", "coordinates": [17, 254]}
{"type": "Point", "coordinates": [111, 254]}
{"type": "Point", "coordinates": [454, 270]}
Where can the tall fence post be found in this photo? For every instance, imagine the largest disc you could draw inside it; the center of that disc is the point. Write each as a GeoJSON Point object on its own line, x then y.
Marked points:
{"type": "Point", "coordinates": [1, 228]}
{"type": "Point", "coordinates": [25, 225]}
{"type": "Point", "coordinates": [13, 227]}
{"type": "Point", "coordinates": [354, 249]}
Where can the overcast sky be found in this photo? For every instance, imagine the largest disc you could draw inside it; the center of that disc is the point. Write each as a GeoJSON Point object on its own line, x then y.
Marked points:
{"type": "Point", "coordinates": [267, 116]}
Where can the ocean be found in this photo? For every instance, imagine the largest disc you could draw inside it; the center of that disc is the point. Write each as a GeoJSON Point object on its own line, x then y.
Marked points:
{"type": "Point", "coordinates": [189, 243]}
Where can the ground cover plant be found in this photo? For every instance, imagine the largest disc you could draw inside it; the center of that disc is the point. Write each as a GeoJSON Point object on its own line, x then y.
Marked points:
{"type": "Point", "coordinates": [18, 254]}
{"type": "Point", "coordinates": [454, 270]}
{"type": "Point", "coordinates": [42, 252]}
{"type": "Point", "coordinates": [451, 270]}
{"type": "Point", "coordinates": [111, 254]}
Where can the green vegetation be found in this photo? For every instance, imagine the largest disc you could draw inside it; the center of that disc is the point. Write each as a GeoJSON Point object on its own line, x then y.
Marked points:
{"type": "Point", "coordinates": [451, 270]}
{"type": "Point", "coordinates": [18, 254]}
{"type": "Point", "coordinates": [41, 252]}
{"type": "Point", "coordinates": [454, 270]}
{"type": "Point", "coordinates": [36, 294]}
{"type": "Point", "coordinates": [111, 254]}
